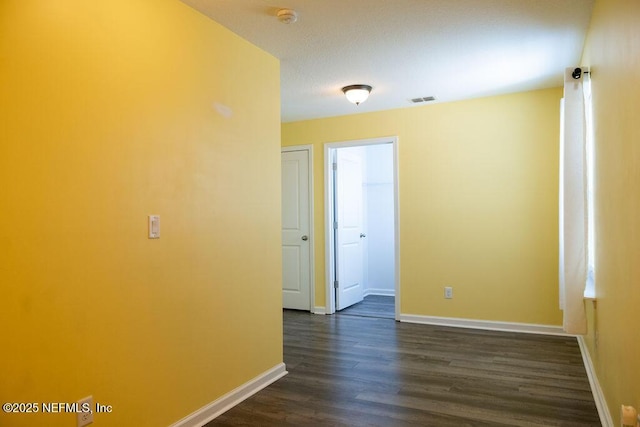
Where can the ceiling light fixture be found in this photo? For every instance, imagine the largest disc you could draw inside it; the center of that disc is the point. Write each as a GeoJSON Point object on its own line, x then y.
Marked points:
{"type": "Point", "coordinates": [287, 16]}
{"type": "Point", "coordinates": [357, 93]}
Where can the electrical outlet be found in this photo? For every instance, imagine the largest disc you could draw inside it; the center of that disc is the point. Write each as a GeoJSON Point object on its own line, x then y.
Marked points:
{"type": "Point", "coordinates": [85, 411]}
{"type": "Point", "coordinates": [628, 416]}
{"type": "Point", "coordinates": [448, 292]}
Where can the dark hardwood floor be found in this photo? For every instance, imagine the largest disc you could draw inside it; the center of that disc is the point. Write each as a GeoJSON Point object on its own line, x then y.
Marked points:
{"type": "Point", "coordinates": [362, 371]}
{"type": "Point", "coordinates": [372, 306]}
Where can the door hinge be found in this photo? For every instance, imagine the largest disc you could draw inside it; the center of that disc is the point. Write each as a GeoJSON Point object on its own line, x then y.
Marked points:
{"type": "Point", "coordinates": [334, 166]}
{"type": "Point", "coordinates": [335, 284]}
{"type": "Point", "coordinates": [335, 225]}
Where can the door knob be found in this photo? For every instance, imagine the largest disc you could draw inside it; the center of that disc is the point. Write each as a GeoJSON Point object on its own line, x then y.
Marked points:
{"type": "Point", "coordinates": [362, 235]}
{"type": "Point", "coordinates": [305, 238]}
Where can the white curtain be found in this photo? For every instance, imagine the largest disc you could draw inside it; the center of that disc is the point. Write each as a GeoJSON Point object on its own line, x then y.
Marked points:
{"type": "Point", "coordinates": [573, 204]}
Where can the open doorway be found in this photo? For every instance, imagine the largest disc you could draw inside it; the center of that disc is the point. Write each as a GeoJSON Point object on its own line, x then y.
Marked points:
{"type": "Point", "coordinates": [361, 202]}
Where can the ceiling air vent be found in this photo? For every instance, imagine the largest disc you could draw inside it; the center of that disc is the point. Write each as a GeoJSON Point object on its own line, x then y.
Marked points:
{"type": "Point", "coordinates": [423, 99]}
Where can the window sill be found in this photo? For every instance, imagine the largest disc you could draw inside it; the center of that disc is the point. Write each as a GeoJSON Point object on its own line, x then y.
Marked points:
{"type": "Point", "coordinates": [590, 288]}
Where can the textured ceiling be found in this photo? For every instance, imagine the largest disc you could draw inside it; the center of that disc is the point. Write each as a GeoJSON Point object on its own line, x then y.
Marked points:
{"type": "Point", "coordinates": [450, 49]}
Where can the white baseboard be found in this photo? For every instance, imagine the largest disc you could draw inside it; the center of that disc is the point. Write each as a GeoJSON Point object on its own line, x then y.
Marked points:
{"type": "Point", "coordinates": [231, 399]}
{"type": "Point", "coordinates": [598, 395]}
{"type": "Point", "coordinates": [382, 292]}
{"type": "Point", "coordinates": [319, 310]}
{"type": "Point", "coordinates": [483, 324]}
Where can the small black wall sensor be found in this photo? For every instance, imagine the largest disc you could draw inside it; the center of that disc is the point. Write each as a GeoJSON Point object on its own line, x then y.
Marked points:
{"type": "Point", "coordinates": [577, 73]}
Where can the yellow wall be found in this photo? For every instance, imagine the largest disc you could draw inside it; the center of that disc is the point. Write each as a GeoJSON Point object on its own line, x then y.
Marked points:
{"type": "Point", "coordinates": [613, 53]}
{"type": "Point", "coordinates": [108, 114]}
{"type": "Point", "coordinates": [478, 203]}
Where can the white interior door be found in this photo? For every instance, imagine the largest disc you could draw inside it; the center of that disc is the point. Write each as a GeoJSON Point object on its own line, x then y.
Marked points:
{"type": "Point", "coordinates": [349, 230]}
{"type": "Point", "coordinates": [296, 276]}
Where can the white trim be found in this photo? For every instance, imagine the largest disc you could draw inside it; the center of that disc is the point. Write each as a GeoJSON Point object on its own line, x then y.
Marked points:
{"type": "Point", "coordinates": [312, 260]}
{"type": "Point", "coordinates": [330, 302]}
{"type": "Point", "coordinates": [319, 310]}
{"type": "Point", "coordinates": [329, 147]}
{"type": "Point", "coordinates": [598, 395]}
{"type": "Point", "coordinates": [231, 399]}
{"type": "Point", "coordinates": [396, 238]}
{"type": "Point", "coordinates": [484, 324]}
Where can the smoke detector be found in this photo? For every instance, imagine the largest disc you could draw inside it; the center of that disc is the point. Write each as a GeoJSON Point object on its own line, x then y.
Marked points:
{"type": "Point", "coordinates": [287, 16]}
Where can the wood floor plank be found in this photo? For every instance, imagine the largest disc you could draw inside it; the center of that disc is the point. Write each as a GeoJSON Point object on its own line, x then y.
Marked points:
{"type": "Point", "coordinates": [366, 371]}
{"type": "Point", "coordinates": [379, 306]}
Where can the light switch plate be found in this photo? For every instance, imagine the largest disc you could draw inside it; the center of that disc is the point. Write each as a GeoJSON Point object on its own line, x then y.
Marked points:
{"type": "Point", "coordinates": [154, 226]}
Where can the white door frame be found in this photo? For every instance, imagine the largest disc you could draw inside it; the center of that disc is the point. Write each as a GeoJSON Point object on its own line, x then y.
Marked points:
{"type": "Point", "coordinates": [329, 148]}
{"type": "Point", "coordinates": [312, 287]}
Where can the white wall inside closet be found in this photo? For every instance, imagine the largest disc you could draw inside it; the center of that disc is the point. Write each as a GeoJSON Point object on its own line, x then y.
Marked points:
{"type": "Point", "coordinates": [379, 264]}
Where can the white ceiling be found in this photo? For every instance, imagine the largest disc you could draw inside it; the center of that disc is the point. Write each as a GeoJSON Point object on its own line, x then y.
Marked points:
{"type": "Point", "coordinates": [450, 49]}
